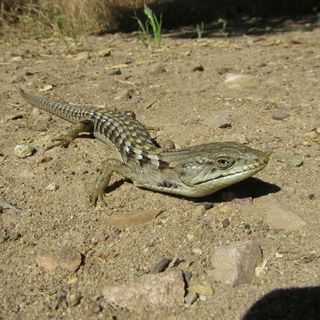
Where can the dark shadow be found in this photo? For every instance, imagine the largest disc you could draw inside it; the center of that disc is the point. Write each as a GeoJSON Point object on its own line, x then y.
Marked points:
{"type": "Point", "coordinates": [240, 16]}
{"type": "Point", "coordinates": [249, 188]}
{"type": "Point", "coordinates": [287, 304]}
{"type": "Point", "coordinates": [117, 184]}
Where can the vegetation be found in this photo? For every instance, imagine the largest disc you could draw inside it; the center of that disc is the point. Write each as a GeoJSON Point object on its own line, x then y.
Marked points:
{"type": "Point", "coordinates": [154, 35]}
{"type": "Point", "coordinates": [70, 18]}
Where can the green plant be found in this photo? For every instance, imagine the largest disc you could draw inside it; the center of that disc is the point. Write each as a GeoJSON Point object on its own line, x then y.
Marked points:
{"type": "Point", "coordinates": [200, 30]}
{"type": "Point", "coordinates": [223, 26]}
{"type": "Point", "coordinates": [66, 29]}
{"type": "Point", "coordinates": [155, 34]}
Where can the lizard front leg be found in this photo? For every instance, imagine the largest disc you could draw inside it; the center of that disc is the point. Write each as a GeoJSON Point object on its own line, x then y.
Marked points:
{"type": "Point", "coordinates": [109, 167]}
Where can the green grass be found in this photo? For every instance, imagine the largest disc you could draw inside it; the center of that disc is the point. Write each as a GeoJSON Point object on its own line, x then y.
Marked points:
{"type": "Point", "coordinates": [150, 31]}
{"type": "Point", "coordinates": [66, 29]}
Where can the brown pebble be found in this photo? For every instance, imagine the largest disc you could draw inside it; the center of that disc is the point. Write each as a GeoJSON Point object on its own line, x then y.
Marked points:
{"type": "Point", "coordinates": [280, 114]}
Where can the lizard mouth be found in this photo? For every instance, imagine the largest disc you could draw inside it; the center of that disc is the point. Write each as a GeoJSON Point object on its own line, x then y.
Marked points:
{"type": "Point", "coordinates": [237, 174]}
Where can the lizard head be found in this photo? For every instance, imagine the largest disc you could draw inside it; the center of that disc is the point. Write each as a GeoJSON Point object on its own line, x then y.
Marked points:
{"type": "Point", "coordinates": [207, 168]}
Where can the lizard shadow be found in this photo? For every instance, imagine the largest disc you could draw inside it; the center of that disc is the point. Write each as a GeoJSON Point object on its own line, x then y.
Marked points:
{"type": "Point", "coordinates": [249, 188]}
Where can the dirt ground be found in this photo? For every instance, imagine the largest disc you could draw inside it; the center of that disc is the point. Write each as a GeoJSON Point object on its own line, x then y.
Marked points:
{"type": "Point", "coordinates": [168, 90]}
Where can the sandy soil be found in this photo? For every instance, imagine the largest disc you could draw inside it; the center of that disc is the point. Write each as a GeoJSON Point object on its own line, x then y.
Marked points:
{"type": "Point", "coordinates": [52, 187]}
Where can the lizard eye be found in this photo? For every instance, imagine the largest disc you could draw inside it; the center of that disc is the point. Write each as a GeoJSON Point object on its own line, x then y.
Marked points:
{"type": "Point", "coordinates": [224, 163]}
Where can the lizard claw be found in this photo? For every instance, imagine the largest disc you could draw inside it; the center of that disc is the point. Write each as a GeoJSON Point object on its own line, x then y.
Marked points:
{"type": "Point", "coordinates": [97, 195]}
{"type": "Point", "coordinates": [63, 142]}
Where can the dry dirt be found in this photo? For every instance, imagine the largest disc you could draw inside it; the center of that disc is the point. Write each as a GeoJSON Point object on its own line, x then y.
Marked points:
{"type": "Point", "coordinates": [51, 187]}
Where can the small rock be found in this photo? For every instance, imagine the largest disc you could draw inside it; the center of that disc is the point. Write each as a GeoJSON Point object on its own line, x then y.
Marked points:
{"type": "Point", "coordinates": [66, 258]}
{"type": "Point", "coordinates": [291, 160]}
{"type": "Point", "coordinates": [197, 251]}
{"type": "Point", "coordinates": [83, 56]}
{"type": "Point", "coordinates": [106, 52]}
{"type": "Point", "coordinates": [46, 88]}
{"type": "Point", "coordinates": [280, 114]}
{"type": "Point", "coordinates": [218, 121]}
{"type": "Point", "coordinates": [240, 81]}
{"type": "Point", "coordinates": [151, 291]}
{"type": "Point", "coordinates": [131, 218]}
{"type": "Point", "coordinates": [24, 150]}
{"type": "Point", "coordinates": [16, 59]}
{"type": "Point", "coordinates": [52, 187]}
{"type": "Point", "coordinates": [277, 216]}
{"type": "Point", "coordinates": [201, 290]}
{"type": "Point", "coordinates": [225, 223]}
{"type": "Point", "coordinates": [198, 211]}
{"type": "Point", "coordinates": [157, 68]}
{"type": "Point", "coordinates": [198, 68]}
{"type": "Point", "coordinates": [311, 196]}
{"type": "Point", "coordinates": [190, 298]}
{"type": "Point", "coordinates": [114, 72]}
{"type": "Point", "coordinates": [313, 135]}
{"type": "Point", "coordinates": [241, 138]}
{"type": "Point", "coordinates": [160, 266]}
{"type": "Point", "coordinates": [125, 94]}
{"type": "Point", "coordinates": [236, 263]}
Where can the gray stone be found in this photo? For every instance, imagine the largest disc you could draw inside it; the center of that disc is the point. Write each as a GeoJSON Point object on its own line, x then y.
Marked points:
{"type": "Point", "coordinates": [218, 121]}
{"type": "Point", "coordinates": [240, 81]}
{"type": "Point", "coordinates": [291, 160]}
{"type": "Point", "coordinates": [278, 216]}
{"type": "Point", "coordinates": [24, 150]}
{"type": "Point", "coordinates": [236, 263]}
{"type": "Point", "coordinates": [151, 291]}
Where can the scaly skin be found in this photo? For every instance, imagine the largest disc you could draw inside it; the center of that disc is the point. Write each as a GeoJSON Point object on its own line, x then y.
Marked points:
{"type": "Point", "coordinates": [194, 171]}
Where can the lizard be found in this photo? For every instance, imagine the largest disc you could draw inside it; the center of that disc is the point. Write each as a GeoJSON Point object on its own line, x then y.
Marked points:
{"type": "Point", "coordinates": [194, 171]}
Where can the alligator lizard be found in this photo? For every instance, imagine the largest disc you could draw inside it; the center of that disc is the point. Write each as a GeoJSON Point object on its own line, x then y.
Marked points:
{"type": "Point", "coordinates": [194, 171]}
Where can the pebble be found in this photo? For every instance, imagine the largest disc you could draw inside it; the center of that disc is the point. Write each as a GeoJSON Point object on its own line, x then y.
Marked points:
{"type": "Point", "coordinates": [240, 81]}
{"type": "Point", "coordinates": [131, 218]}
{"type": "Point", "coordinates": [236, 263]}
{"type": "Point", "coordinates": [278, 216]}
{"type": "Point", "coordinates": [198, 211]}
{"type": "Point", "coordinates": [201, 290]}
{"type": "Point", "coordinates": [157, 68]}
{"type": "Point", "coordinates": [190, 298]}
{"type": "Point", "coordinates": [83, 56]}
{"type": "Point", "coordinates": [125, 94]}
{"type": "Point", "coordinates": [241, 138]}
{"type": "Point", "coordinates": [218, 121]}
{"type": "Point", "coordinates": [106, 52]}
{"type": "Point", "coordinates": [16, 59]}
{"type": "Point", "coordinates": [150, 291]}
{"type": "Point", "coordinates": [160, 266]}
{"type": "Point", "coordinates": [24, 150]}
{"type": "Point", "coordinates": [52, 187]}
{"type": "Point", "coordinates": [280, 114]}
{"type": "Point", "coordinates": [291, 160]}
{"type": "Point", "coordinates": [198, 68]}
{"type": "Point", "coordinates": [66, 259]}
{"type": "Point", "coordinates": [46, 88]}
{"type": "Point", "coordinates": [114, 71]}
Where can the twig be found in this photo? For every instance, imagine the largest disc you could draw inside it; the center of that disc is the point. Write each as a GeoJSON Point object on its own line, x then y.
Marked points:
{"type": "Point", "coordinates": [7, 205]}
